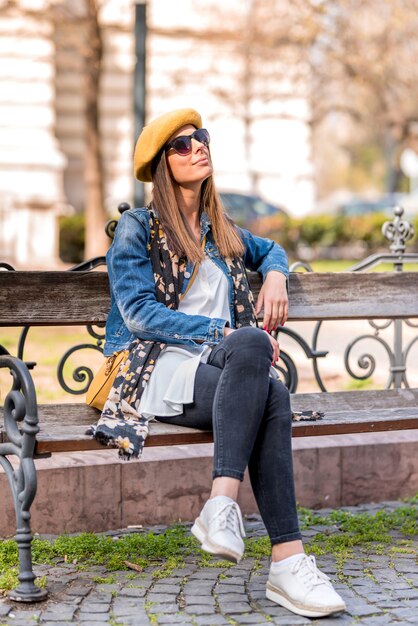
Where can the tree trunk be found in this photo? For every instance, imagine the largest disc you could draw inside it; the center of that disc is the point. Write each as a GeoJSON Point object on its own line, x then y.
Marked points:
{"type": "Point", "coordinates": [96, 242]}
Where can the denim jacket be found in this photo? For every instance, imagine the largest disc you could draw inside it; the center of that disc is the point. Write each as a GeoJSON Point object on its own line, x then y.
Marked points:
{"type": "Point", "coordinates": [134, 309]}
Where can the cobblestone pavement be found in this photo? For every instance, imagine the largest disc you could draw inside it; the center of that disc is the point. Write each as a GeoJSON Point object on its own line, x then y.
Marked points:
{"type": "Point", "coordinates": [379, 590]}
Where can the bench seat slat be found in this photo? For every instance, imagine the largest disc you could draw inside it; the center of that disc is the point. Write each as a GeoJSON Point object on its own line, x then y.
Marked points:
{"type": "Point", "coordinates": [63, 426]}
{"type": "Point", "coordinates": [78, 298]}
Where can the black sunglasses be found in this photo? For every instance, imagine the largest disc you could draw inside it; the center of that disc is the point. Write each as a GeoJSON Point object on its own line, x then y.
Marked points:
{"type": "Point", "coordinates": [183, 144]}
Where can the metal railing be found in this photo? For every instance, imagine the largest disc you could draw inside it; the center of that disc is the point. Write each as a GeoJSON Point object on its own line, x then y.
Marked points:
{"type": "Point", "coordinates": [398, 231]}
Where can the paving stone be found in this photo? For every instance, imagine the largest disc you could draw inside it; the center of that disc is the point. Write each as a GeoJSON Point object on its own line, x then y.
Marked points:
{"type": "Point", "coordinates": [161, 597]}
{"type": "Point", "coordinates": [77, 591]}
{"type": "Point", "coordinates": [30, 614]}
{"type": "Point", "coordinates": [201, 582]}
{"type": "Point", "coordinates": [97, 596]}
{"type": "Point", "coordinates": [54, 623]}
{"type": "Point", "coordinates": [237, 588]}
{"type": "Point", "coordinates": [215, 620]}
{"type": "Point", "coordinates": [93, 617]}
{"type": "Point", "coordinates": [234, 607]}
{"type": "Point", "coordinates": [4, 608]}
{"type": "Point", "coordinates": [291, 620]}
{"type": "Point", "coordinates": [199, 609]}
{"type": "Point", "coordinates": [404, 612]}
{"type": "Point", "coordinates": [95, 607]}
{"type": "Point", "coordinates": [206, 599]}
{"type": "Point", "coordinates": [251, 618]}
{"type": "Point", "coordinates": [180, 618]}
{"type": "Point", "coordinates": [109, 588]}
{"type": "Point", "coordinates": [96, 623]}
{"type": "Point", "coordinates": [231, 597]}
{"type": "Point", "coordinates": [232, 580]}
{"type": "Point", "coordinates": [133, 592]}
{"type": "Point", "coordinates": [134, 620]}
{"type": "Point", "coordinates": [163, 608]}
{"type": "Point", "coordinates": [378, 620]}
{"type": "Point", "coordinates": [57, 617]}
{"type": "Point", "coordinates": [181, 572]}
{"type": "Point", "coordinates": [206, 574]}
{"type": "Point", "coordinates": [22, 622]}
{"type": "Point", "coordinates": [166, 588]}
{"type": "Point", "coordinates": [361, 610]}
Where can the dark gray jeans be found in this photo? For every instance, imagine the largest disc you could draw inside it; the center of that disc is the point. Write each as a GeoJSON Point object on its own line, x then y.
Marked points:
{"type": "Point", "coordinates": [250, 416]}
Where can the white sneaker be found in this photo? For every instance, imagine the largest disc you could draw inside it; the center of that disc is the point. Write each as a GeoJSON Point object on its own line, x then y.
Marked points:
{"type": "Point", "coordinates": [220, 529]}
{"type": "Point", "coordinates": [302, 588]}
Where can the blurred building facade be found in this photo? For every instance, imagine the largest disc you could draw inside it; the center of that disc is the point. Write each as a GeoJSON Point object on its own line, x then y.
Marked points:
{"type": "Point", "coordinates": [258, 145]}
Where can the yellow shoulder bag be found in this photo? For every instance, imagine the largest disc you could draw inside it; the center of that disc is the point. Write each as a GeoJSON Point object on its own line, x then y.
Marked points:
{"type": "Point", "coordinates": [102, 383]}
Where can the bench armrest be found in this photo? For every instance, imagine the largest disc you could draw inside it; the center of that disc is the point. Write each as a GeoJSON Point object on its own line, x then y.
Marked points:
{"type": "Point", "coordinates": [20, 408]}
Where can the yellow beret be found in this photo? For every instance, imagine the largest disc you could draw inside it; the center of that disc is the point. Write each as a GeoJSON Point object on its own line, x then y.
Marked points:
{"type": "Point", "coordinates": [156, 134]}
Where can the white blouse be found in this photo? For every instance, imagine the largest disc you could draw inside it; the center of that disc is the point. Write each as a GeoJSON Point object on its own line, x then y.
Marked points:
{"type": "Point", "coordinates": [172, 381]}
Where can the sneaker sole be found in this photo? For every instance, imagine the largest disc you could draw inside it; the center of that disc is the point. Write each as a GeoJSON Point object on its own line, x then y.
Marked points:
{"type": "Point", "coordinates": [199, 530]}
{"type": "Point", "coordinates": [274, 594]}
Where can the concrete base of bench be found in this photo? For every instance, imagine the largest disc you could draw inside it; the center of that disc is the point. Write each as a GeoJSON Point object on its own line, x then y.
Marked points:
{"type": "Point", "coordinates": [87, 491]}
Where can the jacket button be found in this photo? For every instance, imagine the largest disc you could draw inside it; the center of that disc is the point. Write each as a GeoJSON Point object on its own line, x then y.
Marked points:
{"type": "Point", "coordinates": [176, 336]}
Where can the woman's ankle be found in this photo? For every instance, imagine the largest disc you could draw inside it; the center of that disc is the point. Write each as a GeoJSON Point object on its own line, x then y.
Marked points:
{"type": "Point", "coordinates": [225, 486]}
{"type": "Point", "coordinates": [281, 551]}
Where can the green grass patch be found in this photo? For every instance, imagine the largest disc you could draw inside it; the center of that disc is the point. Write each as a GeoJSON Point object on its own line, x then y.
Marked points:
{"type": "Point", "coordinates": [363, 383]}
{"type": "Point", "coordinates": [370, 533]}
{"type": "Point", "coordinates": [343, 531]}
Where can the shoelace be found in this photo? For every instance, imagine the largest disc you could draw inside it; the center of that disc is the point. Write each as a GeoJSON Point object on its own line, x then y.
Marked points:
{"type": "Point", "coordinates": [309, 572]}
{"type": "Point", "coordinates": [228, 517]}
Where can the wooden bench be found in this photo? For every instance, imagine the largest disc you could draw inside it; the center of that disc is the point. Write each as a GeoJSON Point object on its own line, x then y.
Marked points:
{"type": "Point", "coordinates": [81, 298]}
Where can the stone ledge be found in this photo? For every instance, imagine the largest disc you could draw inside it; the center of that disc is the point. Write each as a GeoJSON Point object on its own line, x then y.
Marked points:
{"type": "Point", "coordinates": [95, 491]}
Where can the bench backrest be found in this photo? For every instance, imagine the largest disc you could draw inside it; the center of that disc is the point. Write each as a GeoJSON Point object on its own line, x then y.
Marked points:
{"type": "Point", "coordinates": [77, 298]}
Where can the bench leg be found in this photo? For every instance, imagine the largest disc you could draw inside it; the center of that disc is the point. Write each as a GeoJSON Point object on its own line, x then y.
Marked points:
{"type": "Point", "coordinates": [21, 428]}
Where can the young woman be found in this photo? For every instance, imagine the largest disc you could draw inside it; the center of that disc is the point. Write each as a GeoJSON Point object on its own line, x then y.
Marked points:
{"type": "Point", "coordinates": [183, 313]}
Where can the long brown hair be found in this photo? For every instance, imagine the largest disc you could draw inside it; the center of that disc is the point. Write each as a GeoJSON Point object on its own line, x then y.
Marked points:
{"type": "Point", "coordinates": [180, 238]}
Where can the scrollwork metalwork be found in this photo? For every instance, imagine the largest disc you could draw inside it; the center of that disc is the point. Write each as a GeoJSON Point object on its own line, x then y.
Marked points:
{"type": "Point", "coordinates": [81, 374]}
{"type": "Point", "coordinates": [411, 324]}
{"type": "Point", "coordinates": [398, 231]}
{"type": "Point", "coordinates": [110, 226]}
{"type": "Point", "coordinates": [288, 372]}
{"type": "Point", "coordinates": [367, 361]}
{"type": "Point", "coordinates": [96, 335]}
{"type": "Point", "coordinates": [7, 267]}
{"type": "Point", "coordinates": [406, 354]}
{"type": "Point", "coordinates": [91, 264]}
{"type": "Point", "coordinates": [21, 427]}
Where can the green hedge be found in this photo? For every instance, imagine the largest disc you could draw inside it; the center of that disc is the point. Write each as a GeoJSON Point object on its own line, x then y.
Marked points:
{"type": "Point", "coordinates": [71, 238]}
{"type": "Point", "coordinates": [315, 231]}
{"type": "Point", "coordinates": [326, 230]}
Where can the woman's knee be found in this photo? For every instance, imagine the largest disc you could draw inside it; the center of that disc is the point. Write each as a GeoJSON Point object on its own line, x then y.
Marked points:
{"type": "Point", "coordinates": [250, 338]}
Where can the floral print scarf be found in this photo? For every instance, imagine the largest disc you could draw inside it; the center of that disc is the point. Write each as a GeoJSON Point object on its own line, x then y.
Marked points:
{"type": "Point", "coordinates": [121, 425]}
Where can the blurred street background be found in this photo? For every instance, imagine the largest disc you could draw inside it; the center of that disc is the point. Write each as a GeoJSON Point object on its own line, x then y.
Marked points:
{"type": "Point", "coordinates": [312, 106]}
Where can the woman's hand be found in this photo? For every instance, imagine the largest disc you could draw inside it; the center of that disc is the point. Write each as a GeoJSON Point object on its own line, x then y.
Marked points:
{"type": "Point", "coordinates": [273, 297]}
